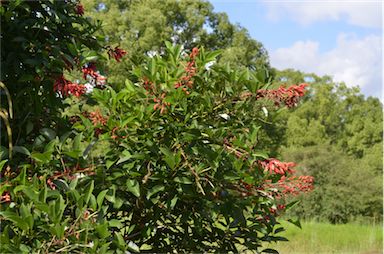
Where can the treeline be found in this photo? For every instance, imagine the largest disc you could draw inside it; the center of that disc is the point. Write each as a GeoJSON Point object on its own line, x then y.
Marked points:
{"type": "Point", "coordinates": [335, 136]}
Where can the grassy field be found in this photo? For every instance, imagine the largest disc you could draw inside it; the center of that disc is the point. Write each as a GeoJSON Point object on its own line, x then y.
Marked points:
{"type": "Point", "coordinates": [321, 238]}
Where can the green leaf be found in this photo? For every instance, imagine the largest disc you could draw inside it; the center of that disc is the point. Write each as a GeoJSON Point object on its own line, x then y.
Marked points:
{"type": "Point", "coordinates": [154, 190]}
{"type": "Point", "coordinates": [146, 247]}
{"type": "Point", "coordinates": [48, 133]}
{"type": "Point", "coordinates": [118, 203]}
{"type": "Point", "coordinates": [270, 251]}
{"type": "Point", "coordinates": [92, 202]}
{"type": "Point", "coordinates": [65, 136]}
{"type": "Point", "coordinates": [170, 158]}
{"type": "Point", "coordinates": [100, 198]}
{"type": "Point", "coordinates": [120, 240]}
{"type": "Point", "coordinates": [292, 204]}
{"type": "Point", "coordinates": [21, 149]}
{"type": "Point", "coordinates": [72, 49]}
{"type": "Point", "coordinates": [76, 141]}
{"type": "Point", "coordinates": [73, 154]}
{"type": "Point", "coordinates": [173, 202]}
{"type": "Point", "coordinates": [183, 180]}
{"type": "Point", "coordinates": [278, 230]}
{"type": "Point", "coordinates": [133, 187]}
{"type": "Point", "coordinates": [41, 157]}
{"type": "Point", "coordinates": [126, 155]}
{"type": "Point", "coordinates": [168, 45]}
{"type": "Point", "coordinates": [110, 163]}
{"type": "Point", "coordinates": [50, 147]}
{"type": "Point", "coordinates": [2, 163]}
{"type": "Point", "coordinates": [90, 56]}
{"type": "Point", "coordinates": [43, 194]}
{"type": "Point", "coordinates": [102, 230]}
{"type": "Point", "coordinates": [19, 222]}
{"type": "Point", "coordinates": [295, 222]}
{"type": "Point", "coordinates": [88, 191]}
{"type": "Point", "coordinates": [133, 247]}
{"type": "Point", "coordinates": [111, 194]}
{"type": "Point", "coordinates": [115, 223]}
{"type": "Point", "coordinates": [261, 154]}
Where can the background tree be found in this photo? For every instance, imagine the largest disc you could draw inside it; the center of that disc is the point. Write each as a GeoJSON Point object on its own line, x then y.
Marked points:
{"type": "Point", "coordinates": [336, 136]}
{"type": "Point", "coordinates": [143, 26]}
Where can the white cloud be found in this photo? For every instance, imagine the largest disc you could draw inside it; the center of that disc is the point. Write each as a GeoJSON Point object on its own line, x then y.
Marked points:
{"type": "Point", "coordinates": [305, 12]}
{"type": "Point", "coordinates": [355, 61]}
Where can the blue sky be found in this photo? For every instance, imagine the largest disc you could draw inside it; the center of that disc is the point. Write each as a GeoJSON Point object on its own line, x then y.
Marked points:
{"type": "Point", "coordinates": [339, 38]}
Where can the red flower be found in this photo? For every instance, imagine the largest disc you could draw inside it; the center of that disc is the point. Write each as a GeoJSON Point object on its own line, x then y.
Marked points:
{"type": "Point", "coordinates": [190, 71]}
{"type": "Point", "coordinates": [194, 53]}
{"type": "Point", "coordinates": [89, 69]}
{"type": "Point", "coordinates": [117, 53]}
{"type": "Point", "coordinates": [75, 89]}
{"type": "Point", "coordinates": [294, 185]}
{"type": "Point", "coordinates": [51, 184]}
{"type": "Point", "coordinates": [97, 118]}
{"type": "Point", "coordinates": [65, 87]}
{"type": "Point", "coordinates": [96, 79]}
{"type": "Point", "coordinates": [275, 166]}
{"type": "Point", "coordinates": [5, 197]}
{"type": "Point", "coordinates": [288, 96]}
{"type": "Point", "coordinates": [79, 9]}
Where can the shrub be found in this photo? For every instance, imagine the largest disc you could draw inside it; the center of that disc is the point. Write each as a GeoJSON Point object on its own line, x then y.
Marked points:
{"type": "Point", "coordinates": [171, 162]}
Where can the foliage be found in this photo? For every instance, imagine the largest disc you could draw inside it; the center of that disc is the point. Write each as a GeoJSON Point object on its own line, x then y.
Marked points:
{"type": "Point", "coordinates": [345, 188]}
{"type": "Point", "coordinates": [336, 136]}
{"type": "Point", "coordinates": [143, 26]}
{"type": "Point", "coordinates": [172, 161]}
{"type": "Point", "coordinates": [40, 39]}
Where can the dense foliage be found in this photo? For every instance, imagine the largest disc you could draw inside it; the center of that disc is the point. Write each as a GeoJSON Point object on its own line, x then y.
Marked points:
{"type": "Point", "coordinates": [335, 136]}
{"type": "Point", "coordinates": [39, 40]}
{"type": "Point", "coordinates": [143, 26]}
{"type": "Point", "coordinates": [173, 159]}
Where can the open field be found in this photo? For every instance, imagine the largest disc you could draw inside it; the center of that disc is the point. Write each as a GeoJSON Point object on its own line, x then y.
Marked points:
{"type": "Point", "coordinates": [321, 238]}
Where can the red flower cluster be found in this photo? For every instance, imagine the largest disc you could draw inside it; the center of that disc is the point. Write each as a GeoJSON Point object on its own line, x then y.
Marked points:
{"type": "Point", "coordinates": [117, 53]}
{"type": "Point", "coordinates": [79, 9]}
{"type": "Point", "coordinates": [161, 104]}
{"type": "Point", "coordinates": [98, 120]}
{"type": "Point", "coordinates": [185, 81]}
{"type": "Point", "coordinates": [89, 69]}
{"type": "Point", "coordinates": [90, 73]}
{"type": "Point", "coordinates": [275, 166]}
{"type": "Point", "coordinates": [148, 85]}
{"type": "Point", "coordinates": [65, 87]}
{"type": "Point", "coordinates": [295, 185]}
{"type": "Point", "coordinates": [288, 96]}
{"type": "Point", "coordinates": [5, 197]}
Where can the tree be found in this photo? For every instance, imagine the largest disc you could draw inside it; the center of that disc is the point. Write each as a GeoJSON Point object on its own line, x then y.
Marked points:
{"type": "Point", "coordinates": [143, 26]}
{"type": "Point", "coordinates": [336, 136]}
{"type": "Point", "coordinates": [345, 189]}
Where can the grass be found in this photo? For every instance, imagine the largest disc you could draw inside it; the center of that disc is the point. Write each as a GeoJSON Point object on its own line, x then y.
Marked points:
{"type": "Point", "coordinates": [324, 238]}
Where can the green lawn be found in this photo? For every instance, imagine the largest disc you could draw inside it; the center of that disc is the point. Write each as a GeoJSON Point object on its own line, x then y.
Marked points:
{"type": "Point", "coordinates": [322, 238]}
